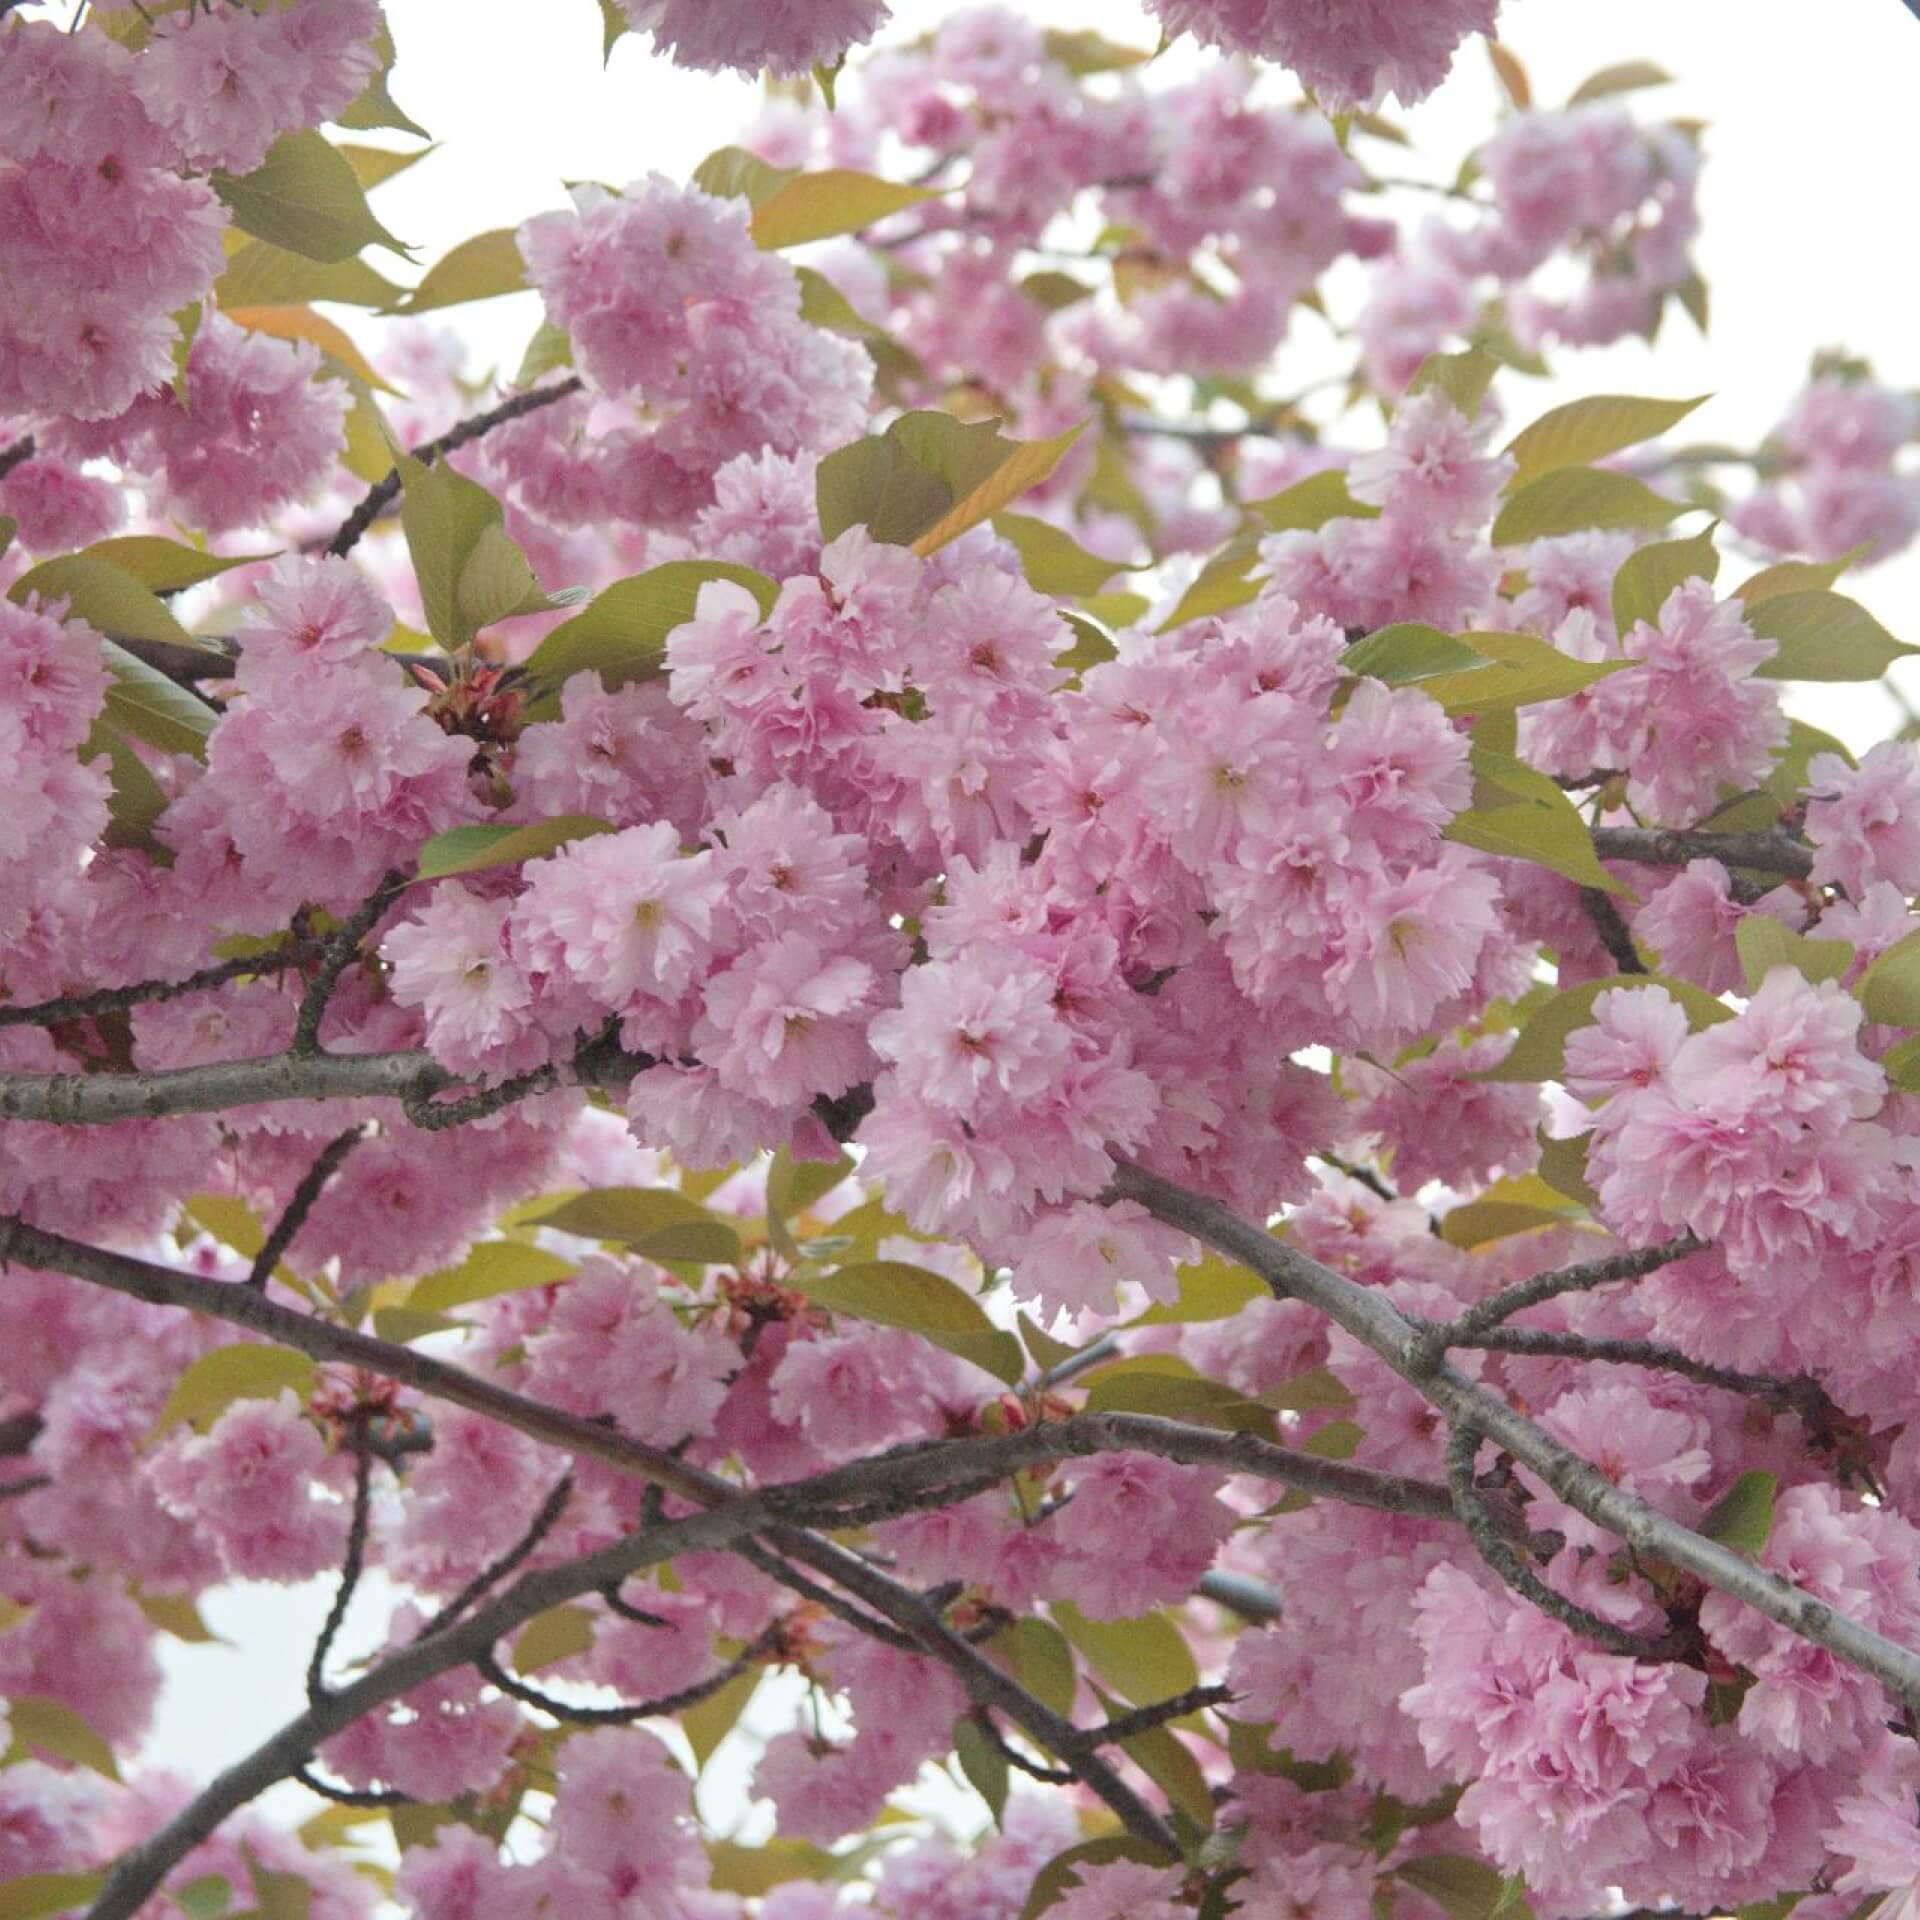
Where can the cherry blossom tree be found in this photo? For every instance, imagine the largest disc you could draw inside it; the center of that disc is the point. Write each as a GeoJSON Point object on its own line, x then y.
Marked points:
{"type": "Point", "coordinates": [900, 986]}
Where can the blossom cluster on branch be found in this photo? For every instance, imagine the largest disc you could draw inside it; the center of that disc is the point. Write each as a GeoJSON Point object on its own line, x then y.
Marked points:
{"type": "Point", "coordinates": [907, 988]}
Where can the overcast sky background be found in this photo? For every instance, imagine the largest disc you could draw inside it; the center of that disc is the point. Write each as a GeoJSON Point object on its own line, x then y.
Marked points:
{"type": "Point", "coordinates": [1812, 147]}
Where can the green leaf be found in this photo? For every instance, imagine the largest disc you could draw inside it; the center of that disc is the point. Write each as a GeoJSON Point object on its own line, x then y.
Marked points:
{"type": "Point", "coordinates": [822, 304]}
{"type": "Point", "coordinates": [245, 1372]}
{"type": "Point", "coordinates": [1093, 648]}
{"type": "Point", "coordinates": [1221, 585]}
{"type": "Point", "coordinates": [1408, 652]}
{"type": "Point", "coordinates": [1521, 669]}
{"type": "Point", "coordinates": [49, 1727]}
{"type": "Point", "coordinates": [707, 1722]}
{"type": "Point", "coordinates": [143, 702]}
{"type": "Point", "coordinates": [106, 596]}
{"type": "Point", "coordinates": [1084, 52]}
{"type": "Point", "coordinates": [301, 324]}
{"type": "Point", "coordinates": [1520, 1204]}
{"type": "Point", "coordinates": [1625, 78]}
{"type": "Point", "coordinates": [304, 197]}
{"type": "Point", "coordinates": [1463, 377]}
{"type": "Point", "coordinates": [164, 566]}
{"type": "Point", "coordinates": [177, 1614]}
{"type": "Point", "coordinates": [1210, 1289]}
{"type": "Point", "coordinates": [1036, 1654]}
{"type": "Point", "coordinates": [559, 1634]}
{"type": "Point", "coordinates": [276, 1895]}
{"type": "Point", "coordinates": [1650, 573]}
{"type": "Point", "coordinates": [1821, 635]}
{"type": "Point", "coordinates": [1765, 944]}
{"type": "Point", "coordinates": [491, 1268]}
{"type": "Point", "coordinates": [501, 844]}
{"type": "Point", "coordinates": [1563, 1166]}
{"type": "Point", "coordinates": [402, 1325]}
{"type": "Point", "coordinates": [445, 517]}
{"type": "Point", "coordinates": [261, 275]}
{"type": "Point", "coordinates": [1146, 1658]}
{"type": "Point", "coordinates": [1025, 464]}
{"type": "Point", "coordinates": [550, 349]}
{"type": "Point", "coordinates": [1588, 430]}
{"type": "Point", "coordinates": [1315, 1392]}
{"type": "Point", "coordinates": [736, 173]}
{"type": "Point", "coordinates": [1055, 290]}
{"type": "Point", "coordinates": [622, 632]}
{"type": "Point", "coordinates": [984, 1765]}
{"type": "Point", "coordinates": [816, 206]}
{"type": "Point", "coordinates": [929, 478]}
{"type": "Point", "coordinates": [1336, 1441]}
{"type": "Point", "coordinates": [794, 1185]}
{"type": "Point", "coordinates": [1572, 499]}
{"type": "Point", "coordinates": [9, 526]}
{"type": "Point", "coordinates": [372, 166]}
{"type": "Point", "coordinates": [757, 1870]}
{"type": "Point", "coordinates": [654, 1222]}
{"type": "Point", "coordinates": [1057, 1878]}
{"type": "Point", "coordinates": [375, 107]}
{"type": "Point", "coordinates": [1742, 1518]}
{"type": "Point", "coordinates": [1052, 559]}
{"type": "Point", "coordinates": [207, 1898]}
{"type": "Point", "coordinates": [1309, 504]}
{"type": "Point", "coordinates": [1902, 1065]}
{"type": "Point", "coordinates": [1889, 990]}
{"type": "Point", "coordinates": [497, 583]}
{"type": "Point", "coordinates": [613, 23]}
{"type": "Point", "coordinates": [136, 799]}
{"type": "Point", "coordinates": [1043, 1349]}
{"type": "Point", "coordinates": [893, 1293]}
{"type": "Point", "coordinates": [1794, 576]}
{"type": "Point", "coordinates": [35, 1896]}
{"type": "Point", "coordinates": [1540, 1051]}
{"type": "Point", "coordinates": [1167, 1761]}
{"type": "Point", "coordinates": [1465, 1888]}
{"type": "Point", "coordinates": [481, 268]}
{"type": "Point", "coordinates": [1123, 1388]}
{"type": "Point", "coordinates": [1530, 819]}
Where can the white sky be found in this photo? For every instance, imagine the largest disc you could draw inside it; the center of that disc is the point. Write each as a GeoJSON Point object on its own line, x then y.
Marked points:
{"type": "Point", "coordinates": [1814, 151]}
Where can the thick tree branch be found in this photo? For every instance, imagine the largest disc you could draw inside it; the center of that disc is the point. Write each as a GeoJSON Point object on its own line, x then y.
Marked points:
{"type": "Point", "coordinates": [1675, 846]}
{"type": "Point", "coordinates": [1371, 1318]}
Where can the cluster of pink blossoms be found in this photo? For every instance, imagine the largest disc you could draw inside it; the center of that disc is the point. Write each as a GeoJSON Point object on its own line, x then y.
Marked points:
{"type": "Point", "coordinates": [1843, 488]}
{"type": "Point", "coordinates": [670, 304]}
{"type": "Point", "coordinates": [867, 844]}
{"type": "Point", "coordinates": [105, 241]}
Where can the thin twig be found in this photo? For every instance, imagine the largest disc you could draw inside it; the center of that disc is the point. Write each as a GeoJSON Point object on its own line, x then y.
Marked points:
{"type": "Point", "coordinates": [542, 1524]}
{"type": "Point", "coordinates": [623, 1716]}
{"type": "Point", "coordinates": [1033, 1769]}
{"type": "Point", "coordinates": [294, 1215]}
{"type": "Point", "coordinates": [351, 1568]}
{"type": "Point", "coordinates": [90, 1006]}
{"type": "Point", "coordinates": [24, 448]}
{"type": "Point", "coordinates": [383, 493]}
{"type": "Point", "coordinates": [1463, 1443]}
{"type": "Point", "coordinates": [336, 957]}
{"type": "Point", "coordinates": [350, 1796]}
{"type": "Point", "coordinates": [1610, 924]}
{"type": "Point", "coordinates": [836, 1604]}
{"type": "Point", "coordinates": [1465, 1329]}
{"type": "Point", "coordinates": [1156, 1714]}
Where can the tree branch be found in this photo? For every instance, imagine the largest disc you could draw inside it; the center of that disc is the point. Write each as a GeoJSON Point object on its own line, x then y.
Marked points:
{"type": "Point", "coordinates": [1675, 846]}
{"type": "Point", "coordinates": [139, 1872]}
{"type": "Point", "coordinates": [294, 1215]}
{"type": "Point", "coordinates": [88, 1006]}
{"type": "Point", "coordinates": [25, 447]}
{"type": "Point", "coordinates": [382, 494]}
{"type": "Point", "coordinates": [1371, 1318]}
